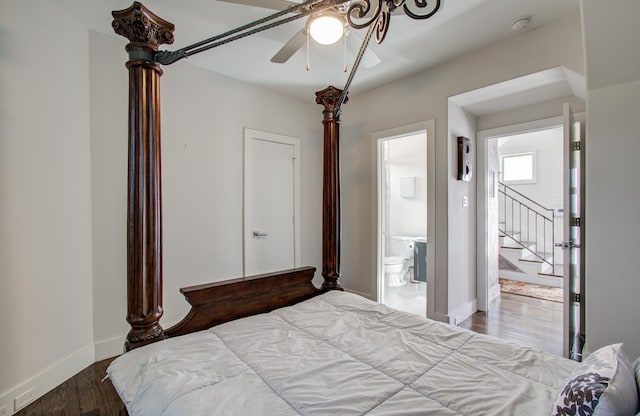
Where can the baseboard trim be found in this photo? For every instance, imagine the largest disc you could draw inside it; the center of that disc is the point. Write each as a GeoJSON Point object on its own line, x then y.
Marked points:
{"type": "Point", "coordinates": [494, 292]}
{"type": "Point", "coordinates": [109, 347]}
{"type": "Point", "coordinates": [463, 312]}
{"type": "Point", "coordinates": [535, 279]}
{"type": "Point", "coordinates": [49, 378]}
{"type": "Point", "coordinates": [364, 295]}
{"type": "Point", "coordinates": [440, 318]}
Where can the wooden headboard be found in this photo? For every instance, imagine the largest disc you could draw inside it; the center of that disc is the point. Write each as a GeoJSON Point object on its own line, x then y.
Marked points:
{"type": "Point", "coordinates": [216, 302]}
{"type": "Point", "coordinates": [219, 302]}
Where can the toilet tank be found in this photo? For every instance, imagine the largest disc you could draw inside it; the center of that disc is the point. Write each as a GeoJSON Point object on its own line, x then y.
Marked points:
{"type": "Point", "coordinates": [401, 246]}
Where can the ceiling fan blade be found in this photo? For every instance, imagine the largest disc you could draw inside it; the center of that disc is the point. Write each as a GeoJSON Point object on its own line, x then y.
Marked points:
{"type": "Point", "coordinates": [290, 47]}
{"type": "Point", "coordinates": [265, 4]}
{"type": "Point", "coordinates": [369, 59]}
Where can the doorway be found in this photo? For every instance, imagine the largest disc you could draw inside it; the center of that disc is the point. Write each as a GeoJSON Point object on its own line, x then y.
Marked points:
{"type": "Point", "coordinates": [271, 235]}
{"type": "Point", "coordinates": [402, 250]}
{"type": "Point", "coordinates": [527, 197]}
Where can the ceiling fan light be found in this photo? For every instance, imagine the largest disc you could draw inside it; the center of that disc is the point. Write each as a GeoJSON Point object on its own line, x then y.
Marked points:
{"type": "Point", "coordinates": [326, 29]}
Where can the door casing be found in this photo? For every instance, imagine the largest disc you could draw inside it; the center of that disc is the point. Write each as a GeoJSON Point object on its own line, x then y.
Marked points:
{"type": "Point", "coordinates": [251, 137]}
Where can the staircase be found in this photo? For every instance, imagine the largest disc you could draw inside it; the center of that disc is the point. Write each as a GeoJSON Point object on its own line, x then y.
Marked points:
{"type": "Point", "coordinates": [526, 230]}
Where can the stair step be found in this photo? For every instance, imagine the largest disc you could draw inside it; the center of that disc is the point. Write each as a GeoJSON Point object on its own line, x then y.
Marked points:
{"type": "Point", "coordinates": [505, 234]}
{"type": "Point", "coordinates": [531, 260]}
{"type": "Point", "coordinates": [547, 256]}
{"type": "Point", "coordinates": [551, 275]}
{"type": "Point", "coordinates": [523, 245]}
{"type": "Point", "coordinates": [558, 270]}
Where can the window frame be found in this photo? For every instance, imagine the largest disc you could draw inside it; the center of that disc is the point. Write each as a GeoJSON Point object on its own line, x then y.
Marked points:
{"type": "Point", "coordinates": [533, 179]}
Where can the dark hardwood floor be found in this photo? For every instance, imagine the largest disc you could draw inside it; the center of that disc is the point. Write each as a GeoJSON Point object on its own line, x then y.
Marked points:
{"type": "Point", "coordinates": [528, 321]}
{"type": "Point", "coordinates": [84, 394]}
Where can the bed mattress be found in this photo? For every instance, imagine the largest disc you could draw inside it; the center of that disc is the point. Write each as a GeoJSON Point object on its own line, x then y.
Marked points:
{"type": "Point", "coordinates": [337, 354]}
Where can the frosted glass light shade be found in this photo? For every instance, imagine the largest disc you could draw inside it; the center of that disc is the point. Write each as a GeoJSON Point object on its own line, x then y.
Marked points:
{"type": "Point", "coordinates": [326, 29]}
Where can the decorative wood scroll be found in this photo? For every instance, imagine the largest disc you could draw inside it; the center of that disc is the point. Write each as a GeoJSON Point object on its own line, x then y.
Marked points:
{"type": "Point", "coordinates": [330, 98]}
{"type": "Point", "coordinates": [146, 32]}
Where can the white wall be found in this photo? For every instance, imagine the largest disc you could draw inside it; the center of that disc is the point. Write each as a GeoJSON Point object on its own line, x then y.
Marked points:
{"type": "Point", "coordinates": [462, 219]}
{"type": "Point", "coordinates": [63, 161]}
{"type": "Point", "coordinates": [548, 148]}
{"type": "Point", "coordinates": [109, 95]}
{"type": "Point", "coordinates": [612, 199]}
{"type": "Point", "coordinates": [408, 159]}
{"type": "Point", "coordinates": [539, 111]}
{"type": "Point", "coordinates": [45, 199]}
{"type": "Point", "coordinates": [424, 96]}
{"type": "Point", "coordinates": [612, 206]}
{"type": "Point", "coordinates": [203, 116]}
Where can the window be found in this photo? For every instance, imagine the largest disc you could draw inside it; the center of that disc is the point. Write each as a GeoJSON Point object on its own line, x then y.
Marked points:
{"type": "Point", "coordinates": [519, 168]}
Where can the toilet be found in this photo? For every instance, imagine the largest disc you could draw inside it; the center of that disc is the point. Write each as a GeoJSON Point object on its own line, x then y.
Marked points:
{"type": "Point", "coordinates": [395, 265]}
{"type": "Point", "coordinates": [394, 272]}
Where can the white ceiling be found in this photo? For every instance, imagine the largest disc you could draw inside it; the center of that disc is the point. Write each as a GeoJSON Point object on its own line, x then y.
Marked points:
{"type": "Point", "coordinates": [411, 45]}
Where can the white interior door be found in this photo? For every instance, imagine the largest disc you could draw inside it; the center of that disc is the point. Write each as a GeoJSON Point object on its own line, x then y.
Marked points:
{"type": "Point", "coordinates": [573, 239]}
{"type": "Point", "coordinates": [271, 202]}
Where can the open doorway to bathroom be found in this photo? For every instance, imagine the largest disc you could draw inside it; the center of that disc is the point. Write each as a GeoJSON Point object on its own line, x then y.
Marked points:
{"type": "Point", "coordinates": [402, 225]}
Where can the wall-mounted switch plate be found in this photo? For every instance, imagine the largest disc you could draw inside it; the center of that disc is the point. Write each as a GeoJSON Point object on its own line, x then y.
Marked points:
{"type": "Point", "coordinates": [3, 411]}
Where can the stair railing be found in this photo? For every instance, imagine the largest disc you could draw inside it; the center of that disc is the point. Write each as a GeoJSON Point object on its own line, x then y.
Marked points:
{"type": "Point", "coordinates": [528, 223]}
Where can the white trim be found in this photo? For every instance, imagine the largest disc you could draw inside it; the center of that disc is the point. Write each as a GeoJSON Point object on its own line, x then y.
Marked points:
{"type": "Point", "coordinates": [49, 378]}
{"type": "Point", "coordinates": [482, 187]}
{"type": "Point", "coordinates": [376, 246]}
{"type": "Point", "coordinates": [364, 295]}
{"type": "Point", "coordinates": [109, 347]}
{"type": "Point", "coordinates": [440, 317]}
{"type": "Point", "coordinates": [494, 292]}
{"type": "Point", "coordinates": [463, 312]}
{"type": "Point", "coordinates": [250, 134]}
{"type": "Point", "coordinates": [542, 124]}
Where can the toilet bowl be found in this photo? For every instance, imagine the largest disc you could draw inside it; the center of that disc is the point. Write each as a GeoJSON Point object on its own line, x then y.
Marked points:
{"type": "Point", "coordinates": [394, 271]}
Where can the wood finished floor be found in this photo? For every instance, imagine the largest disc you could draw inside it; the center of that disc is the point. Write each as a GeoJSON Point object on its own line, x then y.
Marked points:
{"type": "Point", "coordinates": [524, 320]}
{"type": "Point", "coordinates": [84, 394]}
{"type": "Point", "coordinates": [528, 321]}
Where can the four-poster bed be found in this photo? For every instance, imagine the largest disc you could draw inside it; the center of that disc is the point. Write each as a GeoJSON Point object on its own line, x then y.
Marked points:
{"type": "Point", "coordinates": [298, 349]}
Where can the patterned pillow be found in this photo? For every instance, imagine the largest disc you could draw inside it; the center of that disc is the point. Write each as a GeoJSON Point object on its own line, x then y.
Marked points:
{"type": "Point", "coordinates": [603, 384]}
{"type": "Point", "coordinates": [636, 368]}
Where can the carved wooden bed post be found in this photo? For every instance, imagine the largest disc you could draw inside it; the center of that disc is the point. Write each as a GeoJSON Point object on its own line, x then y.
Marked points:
{"type": "Point", "coordinates": [329, 98]}
{"type": "Point", "coordinates": [145, 32]}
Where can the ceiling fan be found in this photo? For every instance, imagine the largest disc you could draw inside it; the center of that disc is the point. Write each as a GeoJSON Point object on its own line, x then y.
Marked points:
{"type": "Point", "coordinates": [297, 41]}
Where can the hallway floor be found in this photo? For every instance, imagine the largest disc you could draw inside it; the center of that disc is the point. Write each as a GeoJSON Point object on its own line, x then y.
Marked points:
{"type": "Point", "coordinates": [527, 321]}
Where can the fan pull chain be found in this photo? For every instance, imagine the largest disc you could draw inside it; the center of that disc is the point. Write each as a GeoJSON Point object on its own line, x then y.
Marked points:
{"type": "Point", "coordinates": [344, 41]}
{"type": "Point", "coordinates": [308, 66]}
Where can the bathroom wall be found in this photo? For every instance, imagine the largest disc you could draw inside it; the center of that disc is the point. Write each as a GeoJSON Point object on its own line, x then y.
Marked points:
{"type": "Point", "coordinates": [408, 159]}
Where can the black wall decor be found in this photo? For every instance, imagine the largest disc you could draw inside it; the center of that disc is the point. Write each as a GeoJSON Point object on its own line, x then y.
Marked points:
{"type": "Point", "coordinates": [465, 167]}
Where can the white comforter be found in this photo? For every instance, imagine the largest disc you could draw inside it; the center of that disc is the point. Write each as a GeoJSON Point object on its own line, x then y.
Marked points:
{"type": "Point", "coordinates": [337, 354]}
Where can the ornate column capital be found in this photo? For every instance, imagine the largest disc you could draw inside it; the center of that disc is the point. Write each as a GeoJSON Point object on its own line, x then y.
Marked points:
{"type": "Point", "coordinates": [141, 26]}
{"type": "Point", "coordinates": [329, 98]}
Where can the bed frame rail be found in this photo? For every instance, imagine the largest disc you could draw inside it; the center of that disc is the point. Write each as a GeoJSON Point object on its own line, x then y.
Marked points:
{"type": "Point", "coordinates": [219, 302]}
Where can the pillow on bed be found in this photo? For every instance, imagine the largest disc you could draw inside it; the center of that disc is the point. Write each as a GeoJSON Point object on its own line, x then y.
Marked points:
{"type": "Point", "coordinates": [603, 384]}
{"type": "Point", "coordinates": [636, 368]}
